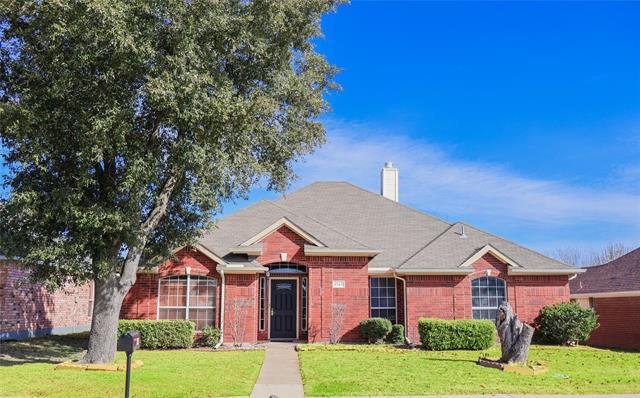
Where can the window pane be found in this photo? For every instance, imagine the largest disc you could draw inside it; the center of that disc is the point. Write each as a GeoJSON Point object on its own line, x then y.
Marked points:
{"type": "Point", "coordinates": [202, 317]}
{"type": "Point", "coordinates": [172, 313]}
{"type": "Point", "coordinates": [383, 298]}
{"type": "Point", "coordinates": [486, 295]}
{"type": "Point", "coordinates": [303, 317]}
{"type": "Point", "coordinates": [262, 303]}
{"type": "Point", "coordinates": [173, 292]}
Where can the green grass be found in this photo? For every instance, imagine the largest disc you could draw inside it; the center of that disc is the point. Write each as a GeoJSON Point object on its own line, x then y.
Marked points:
{"type": "Point", "coordinates": [26, 370]}
{"type": "Point", "coordinates": [343, 370]}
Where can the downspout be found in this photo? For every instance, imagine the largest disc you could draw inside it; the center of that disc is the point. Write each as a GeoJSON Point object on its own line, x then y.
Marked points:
{"type": "Point", "coordinates": [222, 288]}
{"type": "Point", "coordinates": [404, 301]}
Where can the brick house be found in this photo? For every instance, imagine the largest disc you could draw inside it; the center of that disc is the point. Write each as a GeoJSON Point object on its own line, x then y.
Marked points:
{"type": "Point", "coordinates": [281, 269]}
{"type": "Point", "coordinates": [28, 310]}
{"type": "Point", "coordinates": [613, 291]}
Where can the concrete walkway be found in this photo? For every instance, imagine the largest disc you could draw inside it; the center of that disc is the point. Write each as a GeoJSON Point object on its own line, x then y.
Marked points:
{"type": "Point", "coordinates": [280, 373]}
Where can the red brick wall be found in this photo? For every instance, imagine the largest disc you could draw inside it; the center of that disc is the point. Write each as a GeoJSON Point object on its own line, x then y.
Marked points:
{"type": "Point", "coordinates": [241, 308]}
{"type": "Point", "coordinates": [27, 309]}
{"type": "Point", "coordinates": [619, 320]}
{"type": "Point", "coordinates": [142, 300]}
{"type": "Point", "coordinates": [399, 302]}
{"type": "Point", "coordinates": [321, 273]}
{"type": "Point", "coordinates": [446, 297]}
{"type": "Point", "coordinates": [449, 297]}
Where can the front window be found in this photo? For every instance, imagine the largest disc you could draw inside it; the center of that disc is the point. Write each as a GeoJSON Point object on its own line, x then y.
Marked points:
{"type": "Point", "coordinates": [188, 297]}
{"type": "Point", "coordinates": [383, 298]}
{"type": "Point", "coordinates": [486, 294]}
{"type": "Point", "coordinates": [263, 291]}
{"type": "Point", "coordinates": [303, 316]}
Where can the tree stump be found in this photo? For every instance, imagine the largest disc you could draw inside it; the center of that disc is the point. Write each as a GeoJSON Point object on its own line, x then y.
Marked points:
{"type": "Point", "coordinates": [515, 336]}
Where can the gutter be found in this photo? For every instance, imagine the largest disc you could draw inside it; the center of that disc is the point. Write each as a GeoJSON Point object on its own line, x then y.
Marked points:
{"type": "Point", "coordinates": [406, 314]}
{"type": "Point", "coordinates": [222, 289]}
{"type": "Point", "coordinates": [553, 271]}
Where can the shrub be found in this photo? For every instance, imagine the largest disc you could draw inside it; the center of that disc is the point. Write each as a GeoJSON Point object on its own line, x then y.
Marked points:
{"type": "Point", "coordinates": [160, 334]}
{"type": "Point", "coordinates": [396, 335]}
{"type": "Point", "coordinates": [375, 329]}
{"type": "Point", "coordinates": [440, 334]}
{"type": "Point", "coordinates": [210, 337]}
{"type": "Point", "coordinates": [566, 323]}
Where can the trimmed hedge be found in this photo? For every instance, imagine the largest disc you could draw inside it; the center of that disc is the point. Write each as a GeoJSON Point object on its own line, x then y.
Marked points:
{"type": "Point", "coordinates": [160, 334]}
{"type": "Point", "coordinates": [375, 329]}
{"type": "Point", "coordinates": [396, 335]}
{"type": "Point", "coordinates": [566, 323]}
{"type": "Point", "coordinates": [210, 337]}
{"type": "Point", "coordinates": [440, 334]}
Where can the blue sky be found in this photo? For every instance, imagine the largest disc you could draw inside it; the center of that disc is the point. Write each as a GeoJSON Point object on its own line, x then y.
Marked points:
{"type": "Point", "coordinates": [520, 118]}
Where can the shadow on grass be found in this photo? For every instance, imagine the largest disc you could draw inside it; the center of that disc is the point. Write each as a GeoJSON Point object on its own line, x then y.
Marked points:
{"type": "Point", "coordinates": [52, 349]}
{"type": "Point", "coordinates": [473, 361]}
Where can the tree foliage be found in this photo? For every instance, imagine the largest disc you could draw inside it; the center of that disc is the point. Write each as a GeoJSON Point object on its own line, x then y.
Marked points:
{"type": "Point", "coordinates": [126, 124]}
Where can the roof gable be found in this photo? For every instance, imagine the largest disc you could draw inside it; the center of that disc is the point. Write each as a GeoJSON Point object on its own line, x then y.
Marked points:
{"type": "Point", "coordinates": [280, 223]}
{"type": "Point", "coordinates": [493, 251]}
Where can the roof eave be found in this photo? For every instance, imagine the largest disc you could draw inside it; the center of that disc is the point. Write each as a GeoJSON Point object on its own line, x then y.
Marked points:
{"type": "Point", "coordinates": [312, 251]}
{"type": "Point", "coordinates": [443, 271]}
{"type": "Point", "coordinates": [381, 271]}
{"type": "Point", "coordinates": [626, 293]}
{"type": "Point", "coordinates": [560, 271]}
{"type": "Point", "coordinates": [253, 250]}
{"type": "Point", "coordinates": [231, 269]}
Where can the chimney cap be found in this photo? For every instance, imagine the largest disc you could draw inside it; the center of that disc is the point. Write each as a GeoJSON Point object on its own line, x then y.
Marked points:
{"type": "Point", "coordinates": [388, 163]}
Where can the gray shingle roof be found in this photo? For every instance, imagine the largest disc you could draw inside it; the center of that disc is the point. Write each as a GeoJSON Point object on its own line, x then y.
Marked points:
{"type": "Point", "coordinates": [233, 230]}
{"type": "Point", "coordinates": [344, 216]}
{"type": "Point", "coordinates": [450, 249]}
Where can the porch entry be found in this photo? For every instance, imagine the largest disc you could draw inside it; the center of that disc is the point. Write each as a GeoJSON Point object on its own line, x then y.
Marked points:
{"type": "Point", "coordinates": [284, 309]}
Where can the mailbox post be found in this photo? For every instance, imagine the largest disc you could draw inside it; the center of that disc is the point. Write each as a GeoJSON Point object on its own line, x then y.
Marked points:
{"type": "Point", "coordinates": [129, 342]}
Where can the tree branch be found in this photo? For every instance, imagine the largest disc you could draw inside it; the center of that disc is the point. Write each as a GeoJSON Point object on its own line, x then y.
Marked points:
{"type": "Point", "coordinates": [128, 277]}
{"type": "Point", "coordinates": [162, 202]}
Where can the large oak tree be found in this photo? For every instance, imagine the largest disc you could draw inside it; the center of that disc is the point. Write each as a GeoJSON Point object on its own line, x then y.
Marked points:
{"type": "Point", "coordinates": [127, 123]}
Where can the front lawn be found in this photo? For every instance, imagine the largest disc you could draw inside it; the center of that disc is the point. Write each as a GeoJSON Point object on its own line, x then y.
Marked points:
{"type": "Point", "coordinates": [343, 370]}
{"type": "Point", "coordinates": [26, 370]}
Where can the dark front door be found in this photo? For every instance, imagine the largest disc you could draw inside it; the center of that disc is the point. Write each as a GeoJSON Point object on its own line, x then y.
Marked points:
{"type": "Point", "coordinates": [283, 308]}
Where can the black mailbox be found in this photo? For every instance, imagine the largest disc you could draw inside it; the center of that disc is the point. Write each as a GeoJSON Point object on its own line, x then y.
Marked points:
{"type": "Point", "coordinates": [129, 342]}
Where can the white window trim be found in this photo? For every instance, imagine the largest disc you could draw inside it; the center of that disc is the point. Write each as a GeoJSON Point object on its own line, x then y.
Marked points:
{"type": "Point", "coordinates": [186, 308]}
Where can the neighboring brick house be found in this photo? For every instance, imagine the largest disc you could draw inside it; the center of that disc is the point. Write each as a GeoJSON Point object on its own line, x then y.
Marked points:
{"type": "Point", "coordinates": [28, 310]}
{"type": "Point", "coordinates": [613, 290]}
{"type": "Point", "coordinates": [280, 269]}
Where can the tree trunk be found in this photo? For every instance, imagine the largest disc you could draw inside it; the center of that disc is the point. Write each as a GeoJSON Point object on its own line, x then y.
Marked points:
{"type": "Point", "coordinates": [515, 336]}
{"type": "Point", "coordinates": [109, 293]}
{"type": "Point", "coordinates": [519, 351]}
{"type": "Point", "coordinates": [104, 323]}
